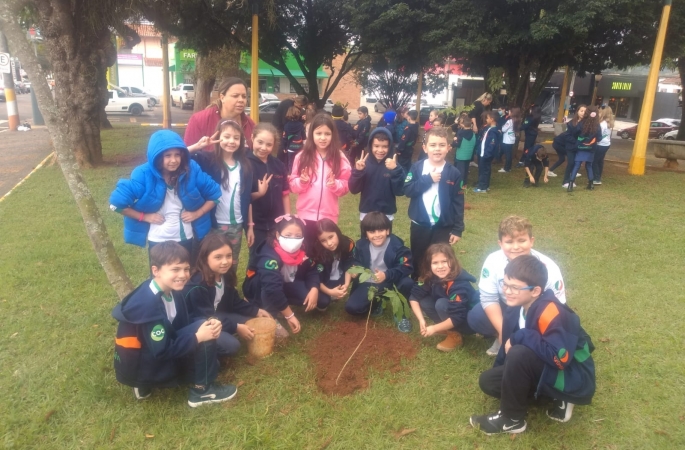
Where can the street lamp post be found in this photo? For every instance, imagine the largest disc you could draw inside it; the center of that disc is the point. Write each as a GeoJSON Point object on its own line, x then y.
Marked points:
{"type": "Point", "coordinates": [598, 78]}
{"type": "Point", "coordinates": [254, 76]}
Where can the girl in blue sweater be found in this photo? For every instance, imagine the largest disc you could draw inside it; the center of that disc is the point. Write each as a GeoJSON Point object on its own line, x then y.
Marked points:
{"type": "Point", "coordinates": [168, 198]}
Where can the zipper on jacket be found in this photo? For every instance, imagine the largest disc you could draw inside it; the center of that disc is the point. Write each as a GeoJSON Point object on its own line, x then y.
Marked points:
{"type": "Point", "coordinates": [318, 210]}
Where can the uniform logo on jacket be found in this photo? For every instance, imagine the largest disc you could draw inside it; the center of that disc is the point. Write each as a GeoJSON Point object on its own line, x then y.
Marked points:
{"type": "Point", "coordinates": [559, 285]}
{"type": "Point", "coordinates": [404, 261]}
{"type": "Point", "coordinates": [485, 273]}
{"type": "Point", "coordinates": [271, 264]}
{"type": "Point", "coordinates": [319, 268]}
{"type": "Point", "coordinates": [157, 333]}
{"type": "Point", "coordinates": [409, 177]}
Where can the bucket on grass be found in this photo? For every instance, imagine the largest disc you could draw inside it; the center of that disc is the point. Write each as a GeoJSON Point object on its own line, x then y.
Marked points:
{"type": "Point", "coordinates": [262, 344]}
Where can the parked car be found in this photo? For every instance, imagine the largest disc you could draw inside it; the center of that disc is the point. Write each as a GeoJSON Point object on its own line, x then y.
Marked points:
{"type": "Point", "coordinates": [120, 103]}
{"type": "Point", "coordinates": [183, 95]}
{"type": "Point", "coordinates": [264, 97]}
{"type": "Point", "coordinates": [423, 114]}
{"type": "Point", "coordinates": [671, 135]}
{"type": "Point", "coordinates": [380, 106]}
{"type": "Point", "coordinates": [267, 110]}
{"type": "Point", "coordinates": [328, 107]}
{"type": "Point", "coordinates": [657, 130]}
{"type": "Point", "coordinates": [674, 122]}
{"type": "Point", "coordinates": [134, 91]}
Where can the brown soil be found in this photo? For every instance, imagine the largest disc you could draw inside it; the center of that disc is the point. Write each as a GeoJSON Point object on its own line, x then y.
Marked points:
{"type": "Point", "coordinates": [382, 350]}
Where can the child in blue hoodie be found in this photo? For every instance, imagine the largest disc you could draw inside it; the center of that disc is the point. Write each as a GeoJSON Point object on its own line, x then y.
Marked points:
{"type": "Point", "coordinates": [168, 198]}
{"type": "Point", "coordinates": [378, 176]}
{"type": "Point", "coordinates": [391, 262]}
{"type": "Point", "coordinates": [445, 294]}
{"type": "Point", "coordinates": [545, 352]}
{"type": "Point", "coordinates": [487, 149]}
{"type": "Point", "coordinates": [160, 341]}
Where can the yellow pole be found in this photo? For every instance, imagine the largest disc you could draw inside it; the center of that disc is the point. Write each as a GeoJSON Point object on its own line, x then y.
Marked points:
{"type": "Point", "coordinates": [166, 95]}
{"type": "Point", "coordinates": [562, 97]}
{"type": "Point", "coordinates": [254, 76]}
{"type": "Point", "coordinates": [637, 160]}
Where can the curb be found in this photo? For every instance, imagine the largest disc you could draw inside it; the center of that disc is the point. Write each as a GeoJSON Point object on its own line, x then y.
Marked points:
{"type": "Point", "coordinates": [27, 176]}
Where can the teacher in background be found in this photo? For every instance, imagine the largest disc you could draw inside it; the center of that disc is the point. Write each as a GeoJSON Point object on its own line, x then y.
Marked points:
{"type": "Point", "coordinates": [229, 106]}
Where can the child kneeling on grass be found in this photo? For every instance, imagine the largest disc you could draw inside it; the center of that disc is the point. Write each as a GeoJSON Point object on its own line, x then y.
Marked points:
{"type": "Point", "coordinates": [445, 294]}
{"type": "Point", "coordinates": [160, 342]}
{"type": "Point", "coordinates": [391, 262]}
{"type": "Point", "coordinates": [211, 292]}
{"type": "Point", "coordinates": [334, 255]}
{"type": "Point", "coordinates": [546, 352]}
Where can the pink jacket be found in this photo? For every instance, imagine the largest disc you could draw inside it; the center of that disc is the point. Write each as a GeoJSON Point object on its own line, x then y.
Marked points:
{"type": "Point", "coordinates": [315, 200]}
{"type": "Point", "coordinates": [203, 123]}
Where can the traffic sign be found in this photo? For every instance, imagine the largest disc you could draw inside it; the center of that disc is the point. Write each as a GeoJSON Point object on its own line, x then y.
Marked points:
{"type": "Point", "coordinates": [4, 63]}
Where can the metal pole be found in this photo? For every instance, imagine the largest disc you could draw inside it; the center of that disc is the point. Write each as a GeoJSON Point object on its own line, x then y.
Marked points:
{"type": "Point", "coordinates": [638, 159]}
{"type": "Point", "coordinates": [562, 97]}
{"type": "Point", "coordinates": [418, 98]}
{"type": "Point", "coordinates": [594, 91]}
{"type": "Point", "coordinates": [254, 76]}
{"type": "Point", "coordinates": [10, 95]}
{"type": "Point", "coordinates": [35, 110]}
{"type": "Point", "coordinates": [166, 94]}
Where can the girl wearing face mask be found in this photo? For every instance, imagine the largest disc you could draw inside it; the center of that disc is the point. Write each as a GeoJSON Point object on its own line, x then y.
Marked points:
{"type": "Point", "coordinates": [280, 274]}
{"type": "Point", "coordinates": [229, 167]}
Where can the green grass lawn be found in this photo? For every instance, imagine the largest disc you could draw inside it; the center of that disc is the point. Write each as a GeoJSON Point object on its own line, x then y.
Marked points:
{"type": "Point", "coordinates": [621, 249]}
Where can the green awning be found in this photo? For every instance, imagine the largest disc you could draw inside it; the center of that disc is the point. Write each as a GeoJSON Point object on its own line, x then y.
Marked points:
{"type": "Point", "coordinates": [262, 71]}
{"type": "Point", "coordinates": [266, 69]}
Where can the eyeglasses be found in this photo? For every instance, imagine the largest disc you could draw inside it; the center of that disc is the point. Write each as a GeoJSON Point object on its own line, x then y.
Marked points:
{"type": "Point", "coordinates": [514, 289]}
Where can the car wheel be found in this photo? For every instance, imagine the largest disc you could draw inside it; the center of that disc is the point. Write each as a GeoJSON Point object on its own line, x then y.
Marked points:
{"type": "Point", "coordinates": [669, 138]}
{"type": "Point", "coordinates": [136, 110]}
{"type": "Point", "coordinates": [660, 136]}
{"type": "Point", "coordinates": [625, 135]}
{"type": "Point", "coordinates": [153, 102]}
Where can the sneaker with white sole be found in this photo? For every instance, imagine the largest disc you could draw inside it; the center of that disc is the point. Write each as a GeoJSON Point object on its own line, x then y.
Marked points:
{"type": "Point", "coordinates": [480, 191]}
{"type": "Point", "coordinates": [595, 182]}
{"type": "Point", "coordinates": [496, 423]}
{"type": "Point", "coordinates": [565, 185]}
{"type": "Point", "coordinates": [214, 393]}
{"type": "Point", "coordinates": [560, 411]}
{"type": "Point", "coordinates": [502, 170]}
{"type": "Point", "coordinates": [551, 174]}
{"type": "Point", "coordinates": [578, 175]}
{"type": "Point", "coordinates": [494, 348]}
{"type": "Point", "coordinates": [473, 164]}
{"type": "Point", "coordinates": [281, 333]}
{"type": "Point", "coordinates": [142, 393]}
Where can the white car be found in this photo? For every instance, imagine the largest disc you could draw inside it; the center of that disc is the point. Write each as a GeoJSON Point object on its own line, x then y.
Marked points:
{"type": "Point", "coordinates": [183, 95]}
{"type": "Point", "coordinates": [134, 91]}
{"type": "Point", "coordinates": [672, 122]}
{"type": "Point", "coordinates": [119, 102]}
{"type": "Point", "coordinates": [328, 107]}
{"type": "Point", "coordinates": [671, 135]}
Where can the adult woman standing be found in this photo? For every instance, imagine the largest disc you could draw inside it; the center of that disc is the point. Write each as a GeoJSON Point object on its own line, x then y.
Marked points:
{"type": "Point", "coordinates": [229, 106]}
{"type": "Point", "coordinates": [481, 104]}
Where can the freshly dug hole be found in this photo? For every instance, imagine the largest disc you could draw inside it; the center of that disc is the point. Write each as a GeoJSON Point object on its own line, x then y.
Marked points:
{"type": "Point", "coordinates": [382, 350]}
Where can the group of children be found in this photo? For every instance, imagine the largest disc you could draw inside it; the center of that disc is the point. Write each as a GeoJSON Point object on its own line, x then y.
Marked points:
{"type": "Point", "coordinates": [191, 208]}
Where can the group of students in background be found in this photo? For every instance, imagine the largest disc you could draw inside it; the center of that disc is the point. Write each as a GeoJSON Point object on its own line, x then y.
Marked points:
{"type": "Point", "coordinates": [191, 205]}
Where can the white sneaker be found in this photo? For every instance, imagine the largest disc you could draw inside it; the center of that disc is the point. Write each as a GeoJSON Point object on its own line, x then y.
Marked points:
{"type": "Point", "coordinates": [578, 175]}
{"type": "Point", "coordinates": [565, 185]}
{"type": "Point", "coordinates": [494, 348]}
{"type": "Point", "coordinates": [473, 164]}
{"type": "Point", "coordinates": [504, 171]}
{"type": "Point", "coordinates": [551, 174]}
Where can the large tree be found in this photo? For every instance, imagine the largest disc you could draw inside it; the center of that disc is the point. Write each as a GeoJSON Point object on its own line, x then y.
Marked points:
{"type": "Point", "coordinates": [70, 33]}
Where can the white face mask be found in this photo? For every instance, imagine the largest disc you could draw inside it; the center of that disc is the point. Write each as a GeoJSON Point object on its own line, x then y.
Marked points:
{"type": "Point", "coordinates": [290, 245]}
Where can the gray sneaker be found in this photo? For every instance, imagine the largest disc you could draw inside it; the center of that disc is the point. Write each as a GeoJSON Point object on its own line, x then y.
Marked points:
{"type": "Point", "coordinates": [215, 393]}
{"type": "Point", "coordinates": [404, 325]}
{"type": "Point", "coordinates": [494, 348]}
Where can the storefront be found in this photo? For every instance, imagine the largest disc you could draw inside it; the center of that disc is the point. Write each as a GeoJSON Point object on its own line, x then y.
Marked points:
{"type": "Point", "coordinates": [623, 94]}
{"type": "Point", "coordinates": [273, 81]}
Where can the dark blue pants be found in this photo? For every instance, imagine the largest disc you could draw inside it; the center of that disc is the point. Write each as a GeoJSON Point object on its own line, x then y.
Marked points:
{"type": "Point", "coordinates": [463, 168]}
{"type": "Point", "coordinates": [404, 159]}
{"type": "Point", "coordinates": [569, 166]}
{"type": "Point", "coordinates": [561, 152]}
{"type": "Point", "coordinates": [330, 284]}
{"type": "Point", "coordinates": [437, 311]}
{"type": "Point", "coordinates": [227, 344]}
{"type": "Point", "coordinates": [598, 162]}
{"type": "Point", "coordinates": [576, 168]}
{"type": "Point", "coordinates": [420, 238]}
{"type": "Point", "coordinates": [479, 322]}
{"type": "Point", "coordinates": [484, 173]}
{"type": "Point", "coordinates": [295, 292]}
{"type": "Point", "coordinates": [358, 303]}
{"type": "Point", "coordinates": [507, 150]}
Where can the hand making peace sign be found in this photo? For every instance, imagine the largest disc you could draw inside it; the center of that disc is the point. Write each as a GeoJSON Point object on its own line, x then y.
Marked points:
{"type": "Point", "coordinates": [360, 164]}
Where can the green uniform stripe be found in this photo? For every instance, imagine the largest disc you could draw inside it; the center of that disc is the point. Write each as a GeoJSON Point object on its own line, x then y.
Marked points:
{"type": "Point", "coordinates": [559, 383]}
{"type": "Point", "coordinates": [231, 209]}
{"type": "Point", "coordinates": [582, 354]}
{"type": "Point", "coordinates": [435, 217]}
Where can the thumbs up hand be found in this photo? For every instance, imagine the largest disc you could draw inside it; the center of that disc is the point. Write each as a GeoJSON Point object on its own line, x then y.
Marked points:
{"type": "Point", "coordinates": [435, 175]}
{"type": "Point", "coordinates": [391, 163]}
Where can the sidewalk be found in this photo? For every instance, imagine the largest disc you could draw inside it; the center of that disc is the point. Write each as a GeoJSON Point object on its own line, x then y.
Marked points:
{"type": "Point", "coordinates": [20, 153]}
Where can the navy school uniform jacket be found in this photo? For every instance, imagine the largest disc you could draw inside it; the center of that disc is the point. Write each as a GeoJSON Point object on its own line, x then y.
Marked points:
{"type": "Point", "coordinates": [264, 281]}
{"type": "Point", "coordinates": [267, 208]}
{"type": "Point", "coordinates": [530, 126]}
{"type": "Point", "coordinates": [450, 195]}
{"type": "Point", "coordinates": [293, 136]}
{"type": "Point", "coordinates": [397, 257]}
{"type": "Point", "coordinates": [408, 138]}
{"type": "Point", "coordinates": [146, 190]}
{"type": "Point", "coordinates": [200, 297]}
{"type": "Point", "coordinates": [529, 156]}
{"type": "Point", "coordinates": [571, 135]}
{"type": "Point", "coordinates": [492, 139]}
{"type": "Point", "coordinates": [325, 268]}
{"type": "Point", "coordinates": [461, 295]}
{"type": "Point", "coordinates": [206, 162]}
{"type": "Point", "coordinates": [588, 142]}
{"type": "Point", "coordinates": [148, 346]}
{"type": "Point", "coordinates": [345, 133]}
{"type": "Point", "coordinates": [378, 185]}
{"type": "Point", "coordinates": [554, 333]}
{"type": "Point", "coordinates": [363, 129]}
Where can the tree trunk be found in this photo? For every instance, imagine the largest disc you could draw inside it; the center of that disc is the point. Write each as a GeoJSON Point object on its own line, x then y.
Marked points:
{"type": "Point", "coordinates": [681, 128]}
{"type": "Point", "coordinates": [61, 128]}
{"type": "Point", "coordinates": [204, 82]}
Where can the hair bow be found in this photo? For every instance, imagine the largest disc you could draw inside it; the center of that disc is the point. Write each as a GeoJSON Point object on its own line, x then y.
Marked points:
{"type": "Point", "coordinates": [593, 114]}
{"type": "Point", "coordinates": [286, 217]}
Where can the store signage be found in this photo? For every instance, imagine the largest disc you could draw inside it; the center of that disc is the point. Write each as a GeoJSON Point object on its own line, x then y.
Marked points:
{"type": "Point", "coordinates": [621, 86]}
{"type": "Point", "coordinates": [130, 59]}
{"type": "Point", "coordinates": [188, 55]}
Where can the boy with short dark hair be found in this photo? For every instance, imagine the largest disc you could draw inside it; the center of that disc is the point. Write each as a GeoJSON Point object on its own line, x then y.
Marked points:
{"type": "Point", "coordinates": [546, 352]}
{"type": "Point", "coordinates": [160, 342]}
{"type": "Point", "coordinates": [391, 262]}
{"type": "Point", "coordinates": [362, 129]}
{"type": "Point", "coordinates": [378, 177]}
{"type": "Point", "coordinates": [535, 160]}
{"type": "Point", "coordinates": [405, 147]}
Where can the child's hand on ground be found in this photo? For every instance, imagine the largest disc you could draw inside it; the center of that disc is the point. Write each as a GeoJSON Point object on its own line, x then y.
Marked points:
{"type": "Point", "coordinates": [379, 276]}
{"type": "Point", "coordinates": [311, 300]}
{"type": "Point", "coordinates": [435, 175]}
{"type": "Point", "coordinates": [304, 177]}
{"type": "Point", "coordinates": [294, 325]}
{"type": "Point", "coordinates": [338, 292]}
{"type": "Point", "coordinates": [391, 163]}
{"type": "Point", "coordinates": [545, 179]}
{"type": "Point", "coordinates": [428, 331]}
{"type": "Point", "coordinates": [245, 332]}
{"type": "Point", "coordinates": [189, 216]}
{"type": "Point", "coordinates": [454, 239]}
{"type": "Point", "coordinates": [532, 179]}
{"type": "Point", "coordinates": [507, 346]}
{"type": "Point", "coordinates": [422, 326]}
{"type": "Point", "coordinates": [155, 218]}
{"type": "Point", "coordinates": [361, 162]}
{"type": "Point", "coordinates": [264, 313]}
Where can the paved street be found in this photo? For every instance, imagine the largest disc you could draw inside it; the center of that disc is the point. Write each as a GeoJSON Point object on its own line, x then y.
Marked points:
{"type": "Point", "coordinates": [20, 153]}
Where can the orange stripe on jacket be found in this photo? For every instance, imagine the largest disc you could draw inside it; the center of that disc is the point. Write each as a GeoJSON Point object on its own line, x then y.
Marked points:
{"type": "Point", "coordinates": [547, 316]}
{"type": "Point", "coordinates": [128, 342]}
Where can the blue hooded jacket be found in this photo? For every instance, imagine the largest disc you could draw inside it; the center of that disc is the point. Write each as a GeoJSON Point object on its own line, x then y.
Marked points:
{"type": "Point", "coordinates": [146, 190]}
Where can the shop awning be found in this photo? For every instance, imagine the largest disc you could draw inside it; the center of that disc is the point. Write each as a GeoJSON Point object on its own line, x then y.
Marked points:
{"type": "Point", "coordinates": [268, 70]}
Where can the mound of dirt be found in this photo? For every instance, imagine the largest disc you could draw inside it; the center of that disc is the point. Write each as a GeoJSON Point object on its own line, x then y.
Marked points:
{"type": "Point", "coordinates": [382, 350]}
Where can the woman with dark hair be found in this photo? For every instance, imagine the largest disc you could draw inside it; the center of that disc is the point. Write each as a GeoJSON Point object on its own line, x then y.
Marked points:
{"type": "Point", "coordinates": [229, 106]}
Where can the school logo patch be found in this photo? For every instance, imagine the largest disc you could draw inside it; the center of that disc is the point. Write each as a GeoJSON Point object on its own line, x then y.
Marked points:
{"type": "Point", "coordinates": [157, 333]}
{"type": "Point", "coordinates": [559, 285]}
{"type": "Point", "coordinates": [485, 273]}
{"type": "Point", "coordinates": [271, 264]}
{"type": "Point", "coordinates": [420, 283]}
{"type": "Point", "coordinates": [409, 177]}
{"type": "Point", "coordinates": [319, 268]}
{"type": "Point", "coordinates": [404, 261]}
{"type": "Point", "coordinates": [563, 355]}
{"type": "Point", "coordinates": [455, 298]}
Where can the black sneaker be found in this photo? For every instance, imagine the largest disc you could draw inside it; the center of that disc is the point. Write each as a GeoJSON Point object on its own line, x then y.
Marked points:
{"type": "Point", "coordinates": [142, 393]}
{"type": "Point", "coordinates": [215, 393]}
{"type": "Point", "coordinates": [376, 308]}
{"type": "Point", "coordinates": [496, 423]}
{"type": "Point", "coordinates": [560, 411]}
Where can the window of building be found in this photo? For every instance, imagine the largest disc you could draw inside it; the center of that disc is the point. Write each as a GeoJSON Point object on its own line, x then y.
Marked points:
{"type": "Point", "coordinates": [305, 86]}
